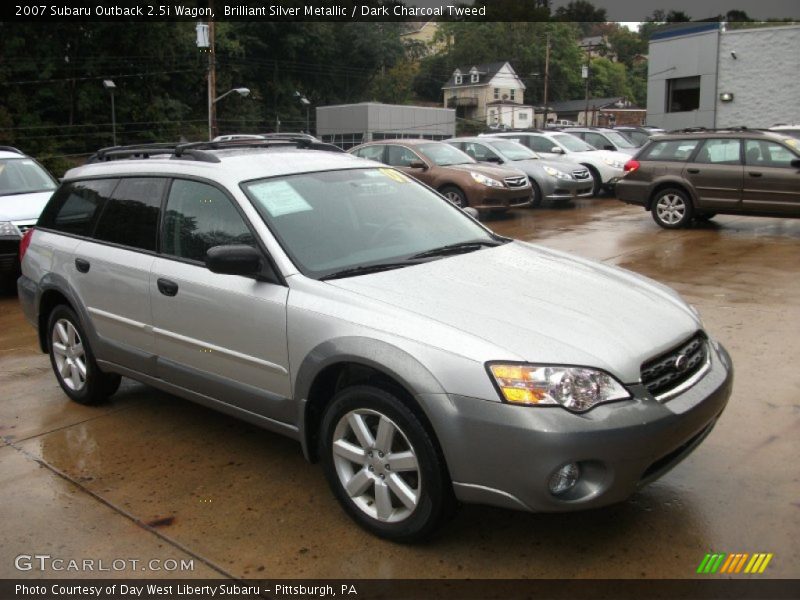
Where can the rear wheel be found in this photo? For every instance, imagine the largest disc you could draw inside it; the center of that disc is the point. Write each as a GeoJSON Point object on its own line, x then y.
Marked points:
{"type": "Point", "coordinates": [73, 361]}
{"type": "Point", "coordinates": [455, 195]}
{"type": "Point", "coordinates": [672, 208]}
{"type": "Point", "coordinates": [382, 465]}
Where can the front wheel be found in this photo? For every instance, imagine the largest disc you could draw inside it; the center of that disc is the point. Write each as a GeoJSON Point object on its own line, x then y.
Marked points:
{"type": "Point", "coordinates": [382, 465]}
{"type": "Point", "coordinates": [597, 181]}
{"type": "Point", "coordinates": [672, 208]}
{"type": "Point", "coordinates": [536, 195]}
{"type": "Point", "coordinates": [455, 195]}
{"type": "Point", "coordinates": [73, 362]}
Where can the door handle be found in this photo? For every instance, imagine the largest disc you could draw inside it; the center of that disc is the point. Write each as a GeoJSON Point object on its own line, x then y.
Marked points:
{"type": "Point", "coordinates": [754, 174]}
{"type": "Point", "coordinates": [693, 171]}
{"type": "Point", "coordinates": [167, 287]}
{"type": "Point", "coordinates": [82, 265]}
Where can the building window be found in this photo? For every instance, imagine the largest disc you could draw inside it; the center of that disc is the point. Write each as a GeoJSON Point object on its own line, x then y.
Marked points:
{"type": "Point", "coordinates": [523, 116]}
{"type": "Point", "coordinates": [683, 94]}
{"type": "Point", "coordinates": [497, 93]}
{"type": "Point", "coordinates": [512, 91]}
{"type": "Point", "coordinates": [474, 77]}
{"type": "Point", "coordinates": [459, 80]}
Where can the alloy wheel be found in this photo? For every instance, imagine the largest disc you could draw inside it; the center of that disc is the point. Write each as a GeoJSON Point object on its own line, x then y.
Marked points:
{"type": "Point", "coordinates": [69, 355]}
{"type": "Point", "coordinates": [671, 208]}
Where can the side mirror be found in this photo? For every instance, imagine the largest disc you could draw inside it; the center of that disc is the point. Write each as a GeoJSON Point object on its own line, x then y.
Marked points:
{"type": "Point", "coordinates": [494, 159]}
{"type": "Point", "coordinates": [235, 259]}
{"type": "Point", "coordinates": [795, 163]}
{"type": "Point", "coordinates": [418, 164]}
{"type": "Point", "coordinates": [557, 150]}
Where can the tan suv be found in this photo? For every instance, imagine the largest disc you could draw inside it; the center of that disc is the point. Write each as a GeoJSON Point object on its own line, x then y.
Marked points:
{"type": "Point", "coordinates": [454, 174]}
{"type": "Point", "coordinates": [695, 174]}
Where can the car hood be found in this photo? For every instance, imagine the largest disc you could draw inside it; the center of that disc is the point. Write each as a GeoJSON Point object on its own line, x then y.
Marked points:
{"type": "Point", "coordinates": [23, 207]}
{"type": "Point", "coordinates": [488, 170]}
{"type": "Point", "coordinates": [536, 165]}
{"type": "Point", "coordinates": [538, 305]}
{"type": "Point", "coordinates": [602, 154]}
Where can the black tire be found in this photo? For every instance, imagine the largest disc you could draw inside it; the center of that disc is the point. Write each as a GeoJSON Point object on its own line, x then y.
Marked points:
{"type": "Point", "coordinates": [455, 195]}
{"type": "Point", "coordinates": [368, 473]}
{"type": "Point", "coordinates": [94, 386]}
{"type": "Point", "coordinates": [536, 195]}
{"type": "Point", "coordinates": [597, 181]}
{"type": "Point", "coordinates": [672, 208]}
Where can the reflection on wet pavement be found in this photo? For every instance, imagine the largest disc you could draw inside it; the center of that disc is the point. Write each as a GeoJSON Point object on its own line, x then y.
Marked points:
{"type": "Point", "coordinates": [201, 484]}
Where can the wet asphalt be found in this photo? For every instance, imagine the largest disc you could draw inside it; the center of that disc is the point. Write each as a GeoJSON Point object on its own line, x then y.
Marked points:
{"type": "Point", "coordinates": [151, 476]}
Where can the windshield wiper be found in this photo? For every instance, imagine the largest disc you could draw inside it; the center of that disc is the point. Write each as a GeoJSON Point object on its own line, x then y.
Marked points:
{"type": "Point", "coordinates": [458, 248]}
{"type": "Point", "coordinates": [366, 269]}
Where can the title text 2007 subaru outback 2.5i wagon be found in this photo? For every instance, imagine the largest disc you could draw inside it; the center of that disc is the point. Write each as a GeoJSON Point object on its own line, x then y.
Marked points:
{"type": "Point", "coordinates": [419, 357]}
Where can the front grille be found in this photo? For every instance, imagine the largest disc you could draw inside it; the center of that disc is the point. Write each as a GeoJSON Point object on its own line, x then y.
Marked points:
{"type": "Point", "coordinates": [669, 370]}
{"type": "Point", "coordinates": [584, 174]}
{"type": "Point", "coordinates": [516, 182]}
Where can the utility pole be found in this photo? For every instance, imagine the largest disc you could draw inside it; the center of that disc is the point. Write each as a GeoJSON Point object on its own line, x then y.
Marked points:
{"type": "Point", "coordinates": [212, 77]}
{"type": "Point", "coordinates": [546, 78]}
{"type": "Point", "coordinates": [586, 73]}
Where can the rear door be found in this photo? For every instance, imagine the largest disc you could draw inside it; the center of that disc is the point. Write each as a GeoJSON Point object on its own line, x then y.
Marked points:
{"type": "Point", "coordinates": [771, 183]}
{"type": "Point", "coordinates": [113, 272]}
{"type": "Point", "coordinates": [222, 336]}
{"type": "Point", "coordinates": [716, 174]}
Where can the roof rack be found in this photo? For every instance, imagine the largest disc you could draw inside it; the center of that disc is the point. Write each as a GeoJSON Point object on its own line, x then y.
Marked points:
{"type": "Point", "coordinates": [198, 150]}
{"type": "Point", "coordinates": [721, 129]}
{"type": "Point", "coordinates": [11, 149]}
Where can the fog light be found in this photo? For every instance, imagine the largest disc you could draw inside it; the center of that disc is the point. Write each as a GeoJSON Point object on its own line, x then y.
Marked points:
{"type": "Point", "coordinates": [564, 479]}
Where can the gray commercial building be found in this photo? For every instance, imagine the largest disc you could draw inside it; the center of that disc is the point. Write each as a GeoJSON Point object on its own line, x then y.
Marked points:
{"type": "Point", "coordinates": [348, 125]}
{"type": "Point", "coordinates": [702, 75]}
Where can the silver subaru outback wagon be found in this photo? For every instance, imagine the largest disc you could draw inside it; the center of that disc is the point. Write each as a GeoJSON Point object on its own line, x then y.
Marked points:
{"type": "Point", "coordinates": [420, 358]}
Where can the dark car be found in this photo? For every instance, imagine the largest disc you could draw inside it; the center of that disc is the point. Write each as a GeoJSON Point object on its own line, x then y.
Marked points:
{"type": "Point", "coordinates": [454, 174]}
{"type": "Point", "coordinates": [695, 174]}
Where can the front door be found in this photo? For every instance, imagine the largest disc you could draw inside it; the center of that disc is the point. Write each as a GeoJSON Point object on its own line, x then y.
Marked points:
{"type": "Point", "coordinates": [771, 183]}
{"type": "Point", "coordinates": [222, 336]}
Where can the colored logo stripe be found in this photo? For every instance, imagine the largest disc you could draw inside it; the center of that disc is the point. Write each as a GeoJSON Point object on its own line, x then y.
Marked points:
{"type": "Point", "coordinates": [734, 563]}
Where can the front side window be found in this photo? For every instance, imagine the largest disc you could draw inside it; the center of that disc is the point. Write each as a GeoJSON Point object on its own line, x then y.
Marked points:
{"type": "Point", "coordinates": [198, 217]}
{"type": "Point", "coordinates": [75, 206]}
{"type": "Point", "coordinates": [670, 150]}
{"type": "Point", "coordinates": [130, 217]}
{"type": "Point", "coordinates": [400, 156]}
{"type": "Point", "coordinates": [23, 176]}
{"type": "Point", "coordinates": [619, 140]}
{"type": "Point", "coordinates": [720, 152]}
{"type": "Point", "coordinates": [571, 143]}
{"type": "Point", "coordinates": [596, 140]}
{"type": "Point", "coordinates": [759, 153]}
{"type": "Point", "coordinates": [479, 152]}
{"type": "Point", "coordinates": [538, 143]}
{"type": "Point", "coordinates": [444, 154]}
{"type": "Point", "coordinates": [683, 94]}
{"type": "Point", "coordinates": [513, 150]}
{"type": "Point", "coordinates": [334, 220]}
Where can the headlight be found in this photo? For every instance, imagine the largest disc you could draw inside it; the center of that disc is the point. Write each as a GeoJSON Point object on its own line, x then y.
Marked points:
{"type": "Point", "coordinates": [575, 388]}
{"type": "Point", "coordinates": [8, 229]}
{"type": "Point", "coordinates": [613, 163]}
{"type": "Point", "coordinates": [481, 178]}
{"type": "Point", "coordinates": [556, 173]}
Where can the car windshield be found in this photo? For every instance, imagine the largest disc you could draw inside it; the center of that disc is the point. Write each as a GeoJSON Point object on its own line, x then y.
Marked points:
{"type": "Point", "coordinates": [572, 143]}
{"type": "Point", "coordinates": [333, 221]}
{"type": "Point", "coordinates": [23, 176]}
{"type": "Point", "coordinates": [514, 150]}
{"type": "Point", "coordinates": [444, 154]}
{"type": "Point", "coordinates": [619, 140]}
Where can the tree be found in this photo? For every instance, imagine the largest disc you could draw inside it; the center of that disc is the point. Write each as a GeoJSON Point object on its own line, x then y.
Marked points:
{"type": "Point", "coordinates": [582, 13]}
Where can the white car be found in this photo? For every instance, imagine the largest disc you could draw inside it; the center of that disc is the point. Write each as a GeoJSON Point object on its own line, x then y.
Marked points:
{"type": "Point", "coordinates": [25, 188]}
{"type": "Point", "coordinates": [605, 166]}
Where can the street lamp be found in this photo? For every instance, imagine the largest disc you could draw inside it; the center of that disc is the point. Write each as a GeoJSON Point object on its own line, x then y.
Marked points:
{"type": "Point", "coordinates": [109, 85]}
{"type": "Point", "coordinates": [307, 103]}
{"type": "Point", "coordinates": [242, 91]}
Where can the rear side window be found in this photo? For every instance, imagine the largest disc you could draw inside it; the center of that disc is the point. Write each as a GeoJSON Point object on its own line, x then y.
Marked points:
{"type": "Point", "coordinates": [198, 217]}
{"type": "Point", "coordinates": [130, 217]}
{"type": "Point", "coordinates": [720, 152]}
{"type": "Point", "coordinates": [370, 152]}
{"type": "Point", "coordinates": [672, 150]}
{"type": "Point", "coordinates": [75, 206]}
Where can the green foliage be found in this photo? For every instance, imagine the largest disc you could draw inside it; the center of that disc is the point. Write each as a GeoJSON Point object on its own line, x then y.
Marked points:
{"type": "Point", "coordinates": [582, 13]}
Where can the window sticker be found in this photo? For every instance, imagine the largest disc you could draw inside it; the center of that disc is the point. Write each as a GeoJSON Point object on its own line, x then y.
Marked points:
{"type": "Point", "coordinates": [279, 198]}
{"type": "Point", "coordinates": [394, 175]}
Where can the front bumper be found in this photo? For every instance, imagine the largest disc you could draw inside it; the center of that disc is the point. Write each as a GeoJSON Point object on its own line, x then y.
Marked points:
{"type": "Point", "coordinates": [9, 254]}
{"type": "Point", "coordinates": [566, 189]}
{"type": "Point", "coordinates": [496, 199]}
{"type": "Point", "coordinates": [504, 455]}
